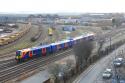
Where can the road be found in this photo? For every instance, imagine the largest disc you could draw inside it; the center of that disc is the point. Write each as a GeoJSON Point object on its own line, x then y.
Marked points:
{"type": "Point", "coordinates": [94, 72]}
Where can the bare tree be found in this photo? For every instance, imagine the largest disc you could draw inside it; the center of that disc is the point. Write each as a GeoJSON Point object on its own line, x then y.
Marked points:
{"type": "Point", "coordinates": [117, 21]}
{"type": "Point", "coordinates": [82, 52]}
{"type": "Point", "coordinates": [54, 70]}
{"type": "Point", "coordinates": [70, 63]}
{"type": "Point", "coordinates": [61, 72]}
{"type": "Point", "coordinates": [100, 41]}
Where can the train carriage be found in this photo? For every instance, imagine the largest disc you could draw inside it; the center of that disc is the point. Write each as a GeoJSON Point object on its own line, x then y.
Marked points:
{"type": "Point", "coordinates": [57, 46]}
{"type": "Point", "coordinates": [54, 47]}
{"type": "Point", "coordinates": [88, 37]}
{"type": "Point", "coordinates": [36, 51]}
{"type": "Point", "coordinates": [5, 40]}
{"type": "Point", "coordinates": [33, 52]}
{"type": "Point", "coordinates": [67, 43]}
{"type": "Point", "coordinates": [46, 49]}
{"type": "Point", "coordinates": [22, 55]}
{"type": "Point", "coordinates": [18, 56]}
{"type": "Point", "coordinates": [61, 45]}
{"type": "Point", "coordinates": [1, 42]}
{"type": "Point", "coordinates": [77, 39]}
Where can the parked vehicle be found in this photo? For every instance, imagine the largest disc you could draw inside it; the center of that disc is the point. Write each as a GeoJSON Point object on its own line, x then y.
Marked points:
{"type": "Point", "coordinates": [107, 74]}
{"type": "Point", "coordinates": [118, 62]}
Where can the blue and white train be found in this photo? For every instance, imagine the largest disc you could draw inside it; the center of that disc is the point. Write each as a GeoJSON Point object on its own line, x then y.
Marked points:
{"type": "Point", "coordinates": [40, 51]}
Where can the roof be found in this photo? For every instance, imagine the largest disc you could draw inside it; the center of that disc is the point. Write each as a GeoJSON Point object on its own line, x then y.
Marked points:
{"type": "Point", "coordinates": [24, 50]}
{"type": "Point", "coordinates": [79, 37]}
{"type": "Point", "coordinates": [39, 47]}
{"type": "Point", "coordinates": [89, 34]}
{"type": "Point", "coordinates": [34, 48]}
{"type": "Point", "coordinates": [60, 42]}
{"type": "Point", "coordinates": [56, 43]}
{"type": "Point", "coordinates": [65, 41]}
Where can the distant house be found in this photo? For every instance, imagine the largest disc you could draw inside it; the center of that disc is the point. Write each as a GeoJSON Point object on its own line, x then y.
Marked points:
{"type": "Point", "coordinates": [1, 30]}
{"type": "Point", "coordinates": [68, 20]}
{"type": "Point", "coordinates": [69, 28]}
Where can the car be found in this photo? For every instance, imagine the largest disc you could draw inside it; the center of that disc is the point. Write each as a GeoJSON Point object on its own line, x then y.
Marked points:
{"type": "Point", "coordinates": [107, 73]}
{"type": "Point", "coordinates": [118, 62]}
{"type": "Point", "coordinates": [119, 59]}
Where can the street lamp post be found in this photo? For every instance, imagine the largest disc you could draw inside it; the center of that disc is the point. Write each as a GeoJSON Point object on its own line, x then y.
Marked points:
{"type": "Point", "coordinates": [110, 43]}
{"type": "Point", "coordinates": [117, 78]}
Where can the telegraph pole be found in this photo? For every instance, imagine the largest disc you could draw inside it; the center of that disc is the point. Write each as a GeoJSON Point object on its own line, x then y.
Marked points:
{"type": "Point", "coordinates": [110, 43]}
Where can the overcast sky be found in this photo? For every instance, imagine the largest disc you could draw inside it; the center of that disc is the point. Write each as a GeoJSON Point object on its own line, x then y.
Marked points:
{"type": "Point", "coordinates": [60, 6]}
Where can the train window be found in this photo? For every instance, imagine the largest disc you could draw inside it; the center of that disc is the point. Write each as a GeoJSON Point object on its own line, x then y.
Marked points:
{"type": "Point", "coordinates": [18, 53]}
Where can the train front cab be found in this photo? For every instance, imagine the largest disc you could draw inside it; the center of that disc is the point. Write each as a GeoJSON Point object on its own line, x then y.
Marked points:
{"type": "Point", "coordinates": [18, 56]}
{"type": "Point", "coordinates": [25, 55]}
{"type": "Point", "coordinates": [22, 55]}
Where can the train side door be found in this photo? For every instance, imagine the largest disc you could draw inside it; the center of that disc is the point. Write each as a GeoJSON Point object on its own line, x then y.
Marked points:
{"type": "Point", "coordinates": [44, 51]}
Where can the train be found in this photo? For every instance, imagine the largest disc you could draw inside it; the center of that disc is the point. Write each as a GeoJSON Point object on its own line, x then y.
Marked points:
{"type": "Point", "coordinates": [37, 36]}
{"type": "Point", "coordinates": [44, 50]}
{"type": "Point", "coordinates": [50, 31]}
{"type": "Point", "coordinates": [15, 36]}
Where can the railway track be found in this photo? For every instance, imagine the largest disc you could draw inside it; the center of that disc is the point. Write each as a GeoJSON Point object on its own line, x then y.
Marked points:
{"type": "Point", "coordinates": [114, 32]}
{"type": "Point", "coordinates": [7, 64]}
{"type": "Point", "coordinates": [7, 55]}
{"type": "Point", "coordinates": [12, 70]}
{"type": "Point", "coordinates": [44, 36]}
{"type": "Point", "coordinates": [11, 53]}
{"type": "Point", "coordinates": [18, 70]}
